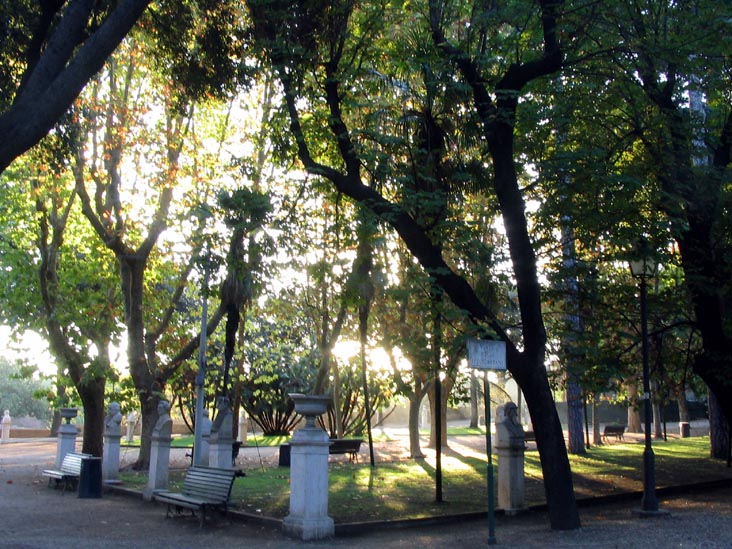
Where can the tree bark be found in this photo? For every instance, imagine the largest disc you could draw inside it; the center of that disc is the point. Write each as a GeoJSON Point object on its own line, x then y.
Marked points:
{"type": "Point", "coordinates": [719, 431]}
{"type": "Point", "coordinates": [575, 417]}
{"type": "Point", "coordinates": [415, 404]}
{"type": "Point", "coordinates": [683, 406]}
{"type": "Point", "coordinates": [92, 398]}
{"type": "Point", "coordinates": [56, 83]}
{"type": "Point", "coordinates": [447, 385]}
{"type": "Point", "coordinates": [634, 419]}
{"type": "Point", "coordinates": [596, 433]}
{"type": "Point", "coordinates": [473, 400]}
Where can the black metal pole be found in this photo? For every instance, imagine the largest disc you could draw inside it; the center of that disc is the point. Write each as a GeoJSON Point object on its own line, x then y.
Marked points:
{"type": "Point", "coordinates": [438, 437]}
{"type": "Point", "coordinates": [649, 501]}
{"type": "Point", "coordinates": [489, 451]}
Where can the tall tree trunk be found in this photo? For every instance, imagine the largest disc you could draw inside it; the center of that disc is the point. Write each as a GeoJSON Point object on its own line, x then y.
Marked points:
{"type": "Point", "coordinates": [719, 431]}
{"type": "Point", "coordinates": [683, 406]}
{"type": "Point", "coordinates": [596, 433]}
{"type": "Point", "coordinates": [415, 404]}
{"type": "Point", "coordinates": [575, 416]}
{"type": "Point", "coordinates": [149, 387]}
{"type": "Point", "coordinates": [634, 419]}
{"type": "Point", "coordinates": [474, 415]}
{"type": "Point", "coordinates": [91, 393]}
{"type": "Point", "coordinates": [446, 387]}
{"type": "Point", "coordinates": [657, 420]}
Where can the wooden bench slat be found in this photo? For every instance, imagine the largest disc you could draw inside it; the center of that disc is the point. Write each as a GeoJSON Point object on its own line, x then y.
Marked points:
{"type": "Point", "coordinates": [202, 487]}
{"type": "Point", "coordinates": [69, 471]}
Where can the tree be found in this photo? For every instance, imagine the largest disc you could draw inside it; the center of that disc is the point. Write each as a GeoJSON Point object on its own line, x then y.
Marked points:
{"type": "Point", "coordinates": [671, 115]}
{"type": "Point", "coordinates": [69, 300]}
{"type": "Point", "coordinates": [62, 46]}
{"type": "Point", "coordinates": [335, 49]}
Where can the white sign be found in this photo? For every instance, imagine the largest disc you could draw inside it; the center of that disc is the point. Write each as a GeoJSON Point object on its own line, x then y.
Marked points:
{"type": "Point", "coordinates": [487, 354]}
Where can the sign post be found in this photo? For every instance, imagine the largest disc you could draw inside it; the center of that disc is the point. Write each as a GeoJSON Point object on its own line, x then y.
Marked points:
{"type": "Point", "coordinates": [484, 354]}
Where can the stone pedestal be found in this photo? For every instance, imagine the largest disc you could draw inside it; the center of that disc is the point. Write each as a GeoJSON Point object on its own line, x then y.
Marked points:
{"type": "Point", "coordinates": [308, 518]}
{"type": "Point", "coordinates": [110, 461]}
{"type": "Point", "coordinates": [66, 441]}
{"type": "Point", "coordinates": [510, 446]}
{"type": "Point", "coordinates": [206, 425]}
{"type": "Point", "coordinates": [112, 436]}
{"type": "Point", "coordinates": [5, 427]}
{"type": "Point", "coordinates": [159, 452]}
{"type": "Point", "coordinates": [243, 428]}
{"type": "Point", "coordinates": [222, 436]}
{"type": "Point", "coordinates": [131, 421]}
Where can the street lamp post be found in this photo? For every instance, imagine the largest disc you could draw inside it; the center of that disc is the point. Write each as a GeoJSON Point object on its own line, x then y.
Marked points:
{"type": "Point", "coordinates": [644, 269]}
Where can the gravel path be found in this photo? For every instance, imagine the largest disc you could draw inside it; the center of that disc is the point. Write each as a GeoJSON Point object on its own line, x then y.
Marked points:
{"type": "Point", "coordinates": [34, 516]}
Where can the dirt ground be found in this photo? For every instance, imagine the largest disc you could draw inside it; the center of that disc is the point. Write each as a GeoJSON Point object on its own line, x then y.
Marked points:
{"type": "Point", "coordinates": [32, 515]}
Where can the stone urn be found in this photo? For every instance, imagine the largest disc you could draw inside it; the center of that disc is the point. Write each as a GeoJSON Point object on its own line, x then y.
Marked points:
{"type": "Point", "coordinates": [69, 413]}
{"type": "Point", "coordinates": [310, 407]}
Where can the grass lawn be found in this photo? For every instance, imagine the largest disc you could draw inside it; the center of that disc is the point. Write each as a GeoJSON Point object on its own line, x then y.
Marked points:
{"type": "Point", "coordinates": [406, 489]}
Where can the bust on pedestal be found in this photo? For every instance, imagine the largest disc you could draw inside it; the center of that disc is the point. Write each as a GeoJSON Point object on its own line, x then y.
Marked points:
{"type": "Point", "coordinates": [510, 447]}
{"type": "Point", "coordinates": [112, 436]}
{"type": "Point", "coordinates": [160, 452]}
{"type": "Point", "coordinates": [6, 422]}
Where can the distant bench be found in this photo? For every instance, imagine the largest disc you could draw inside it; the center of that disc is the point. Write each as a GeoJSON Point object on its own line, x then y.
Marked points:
{"type": "Point", "coordinates": [346, 446]}
{"type": "Point", "coordinates": [342, 446]}
{"type": "Point", "coordinates": [616, 431]}
{"type": "Point", "coordinates": [69, 472]}
{"type": "Point", "coordinates": [203, 488]}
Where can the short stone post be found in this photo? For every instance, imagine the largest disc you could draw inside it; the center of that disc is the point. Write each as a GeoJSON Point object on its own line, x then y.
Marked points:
{"type": "Point", "coordinates": [5, 427]}
{"type": "Point", "coordinates": [510, 446]}
{"type": "Point", "coordinates": [159, 452]}
{"type": "Point", "coordinates": [206, 426]}
{"type": "Point", "coordinates": [308, 518]}
{"type": "Point", "coordinates": [67, 432]}
{"type": "Point", "coordinates": [131, 421]}
{"type": "Point", "coordinates": [243, 426]}
{"type": "Point", "coordinates": [112, 436]}
{"type": "Point", "coordinates": [222, 436]}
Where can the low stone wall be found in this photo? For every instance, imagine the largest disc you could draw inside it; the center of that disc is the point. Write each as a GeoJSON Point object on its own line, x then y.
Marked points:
{"type": "Point", "coordinates": [29, 433]}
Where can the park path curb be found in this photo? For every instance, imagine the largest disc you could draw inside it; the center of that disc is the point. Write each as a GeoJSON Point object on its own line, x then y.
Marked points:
{"type": "Point", "coordinates": [355, 528]}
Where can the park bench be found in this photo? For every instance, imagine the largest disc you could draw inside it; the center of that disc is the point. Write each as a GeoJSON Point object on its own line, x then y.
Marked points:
{"type": "Point", "coordinates": [616, 431]}
{"type": "Point", "coordinates": [346, 446]}
{"type": "Point", "coordinates": [68, 473]}
{"type": "Point", "coordinates": [203, 488]}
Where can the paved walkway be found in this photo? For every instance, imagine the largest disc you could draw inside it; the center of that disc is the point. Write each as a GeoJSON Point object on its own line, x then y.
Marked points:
{"type": "Point", "coordinates": [34, 516]}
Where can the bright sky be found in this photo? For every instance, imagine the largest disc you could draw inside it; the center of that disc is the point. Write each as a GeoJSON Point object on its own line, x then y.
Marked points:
{"type": "Point", "coordinates": [33, 349]}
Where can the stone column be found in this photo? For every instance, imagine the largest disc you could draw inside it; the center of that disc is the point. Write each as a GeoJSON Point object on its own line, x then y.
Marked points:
{"type": "Point", "coordinates": [243, 431]}
{"type": "Point", "coordinates": [222, 436]}
{"type": "Point", "coordinates": [66, 441]}
{"type": "Point", "coordinates": [206, 426]}
{"type": "Point", "coordinates": [159, 452]}
{"type": "Point", "coordinates": [112, 436]}
{"type": "Point", "coordinates": [5, 427]}
{"type": "Point", "coordinates": [510, 446]}
{"type": "Point", "coordinates": [308, 518]}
